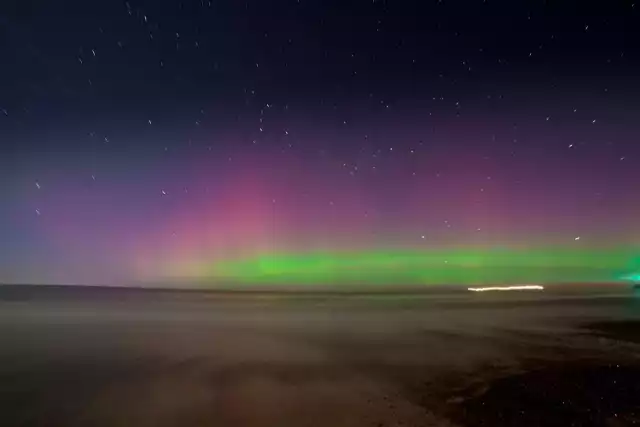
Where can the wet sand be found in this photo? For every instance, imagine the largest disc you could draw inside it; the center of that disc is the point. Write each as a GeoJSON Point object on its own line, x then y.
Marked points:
{"type": "Point", "coordinates": [186, 359]}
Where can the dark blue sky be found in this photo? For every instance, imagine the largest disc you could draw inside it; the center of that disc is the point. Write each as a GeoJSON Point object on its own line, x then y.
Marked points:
{"type": "Point", "coordinates": [106, 105]}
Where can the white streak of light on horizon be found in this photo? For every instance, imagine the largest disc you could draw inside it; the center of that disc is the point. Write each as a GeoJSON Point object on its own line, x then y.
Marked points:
{"type": "Point", "coordinates": [508, 288]}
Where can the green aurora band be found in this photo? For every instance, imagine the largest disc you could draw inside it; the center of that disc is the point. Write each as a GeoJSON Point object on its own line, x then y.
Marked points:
{"type": "Point", "coordinates": [436, 267]}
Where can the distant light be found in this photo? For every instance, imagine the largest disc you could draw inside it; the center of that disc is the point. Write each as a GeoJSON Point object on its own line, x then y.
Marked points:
{"type": "Point", "coordinates": [508, 288]}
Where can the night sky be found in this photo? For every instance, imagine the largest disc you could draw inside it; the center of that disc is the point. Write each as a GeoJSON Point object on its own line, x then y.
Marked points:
{"type": "Point", "coordinates": [310, 141]}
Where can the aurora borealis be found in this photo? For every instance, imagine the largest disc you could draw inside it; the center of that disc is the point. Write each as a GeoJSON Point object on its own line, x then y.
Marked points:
{"type": "Point", "coordinates": [427, 268]}
{"type": "Point", "coordinates": [244, 222]}
{"type": "Point", "coordinates": [226, 144]}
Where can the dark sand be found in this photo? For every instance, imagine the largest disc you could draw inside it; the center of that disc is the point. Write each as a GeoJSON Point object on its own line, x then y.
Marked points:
{"type": "Point", "coordinates": [140, 359]}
